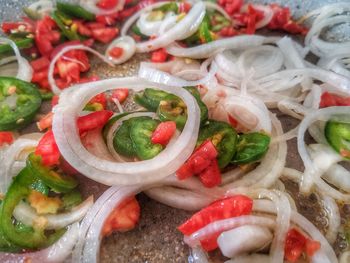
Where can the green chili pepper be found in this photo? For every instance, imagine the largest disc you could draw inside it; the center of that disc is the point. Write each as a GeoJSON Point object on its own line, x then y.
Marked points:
{"type": "Point", "coordinates": [223, 136]}
{"type": "Point", "coordinates": [7, 246]}
{"type": "Point", "coordinates": [60, 20]}
{"type": "Point", "coordinates": [204, 30]}
{"type": "Point", "coordinates": [32, 14]}
{"type": "Point", "coordinates": [169, 7]}
{"type": "Point", "coordinates": [21, 44]}
{"type": "Point", "coordinates": [57, 182]}
{"type": "Point", "coordinates": [122, 141]}
{"type": "Point", "coordinates": [140, 133]}
{"type": "Point", "coordinates": [16, 116]}
{"type": "Point", "coordinates": [251, 147]}
{"type": "Point", "coordinates": [150, 98]}
{"type": "Point", "coordinates": [173, 108]}
{"type": "Point", "coordinates": [203, 108]}
{"type": "Point", "coordinates": [110, 123]}
{"type": "Point", "coordinates": [40, 187]}
{"type": "Point", "coordinates": [19, 190]}
{"type": "Point", "coordinates": [75, 11]}
{"type": "Point", "coordinates": [46, 95]}
{"type": "Point", "coordinates": [71, 199]}
{"type": "Point", "coordinates": [338, 136]}
{"type": "Point", "coordinates": [136, 30]}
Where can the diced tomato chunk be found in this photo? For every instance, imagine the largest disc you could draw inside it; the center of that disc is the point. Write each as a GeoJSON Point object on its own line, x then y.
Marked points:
{"type": "Point", "coordinates": [329, 99]}
{"type": "Point", "coordinates": [120, 94]}
{"type": "Point", "coordinates": [105, 35]}
{"type": "Point", "coordinates": [312, 247]}
{"type": "Point", "coordinates": [116, 52]}
{"type": "Point", "coordinates": [163, 133]}
{"type": "Point", "coordinates": [211, 176]}
{"type": "Point", "coordinates": [46, 36]}
{"type": "Point", "coordinates": [55, 100]}
{"type": "Point", "coordinates": [48, 150]}
{"type": "Point", "coordinates": [159, 55]}
{"type": "Point", "coordinates": [100, 99]}
{"type": "Point", "coordinates": [6, 137]}
{"type": "Point", "coordinates": [40, 63]}
{"type": "Point", "coordinates": [123, 218]}
{"type": "Point", "coordinates": [93, 120]}
{"type": "Point", "coordinates": [233, 206]}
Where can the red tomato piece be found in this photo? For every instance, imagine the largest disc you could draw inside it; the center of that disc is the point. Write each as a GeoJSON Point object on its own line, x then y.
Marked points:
{"type": "Point", "coordinates": [294, 246]}
{"type": "Point", "coordinates": [231, 6]}
{"type": "Point", "coordinates": [233, 206]}
{"type": "Point", "coordinates": [45, 122]}
{"type": "Point", "coordinates": [108, 20]}
{"type": "Point", "coordinates": [93, 120]}
{"type": "Point", "coordinates": [48, 150]}
{"type": "Point", "coordinates": [163, 133]}
{"type": "Point", "coordinates": [9, 27]}
{"type": "Point", "coordinates": [46, 36]}
{"type": "Point", "coordinates": [55, 100]}
{"type": "Point", "coordinates": [123, 218]}
{"type": "Point", "coordinates": [311, 247]}
{"type": "Point", "coordinates": [199, 160]}
{"type": "Point", "coordinates": [38, 76]}
{"type": "Point", "coordinates": [6, 137]}
{"type": "Point", "coordinates": [211, 176]}
{"type": "Point", "coordinates": [40, 63]}
{"type": "Point", "coordinates": [105, 35]}
{"type": "Point", "coordinates": [82, 28]}
{"type": "Point", "coordinates": [116, 52]}
{"type": "Point", "coordinates": [99, 98]}
{"type": "Point", "coordinates": [159, 55]}
{"type": "Point", "coordinates": [184, 7]}
{"type": "Point", "coordinates": [107, 4]}
{"type": "Point", "coordinates": [88, 79]}
{"type": "Point", "coordinates": [120, 94]}
{"type": "Point", "coordinates": [330, 99]}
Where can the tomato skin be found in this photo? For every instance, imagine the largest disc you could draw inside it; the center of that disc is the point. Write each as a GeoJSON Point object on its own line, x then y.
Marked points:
{"type": "Point", "coordinates": [311, 247]}
{"type": "Point", "coordinates": [107, 4]}
{"type": "Point", "coordinates": [211, 176]}
{"type": "Point", "coordinates": [48, 149]}
{"type": "Point", "coordinates": [54, 100]}
{"type": "Point", "coordinates": [123, 218]}
{"type": "Point", "coordinates": [40, 63]}
{"type": "Point", "coordinates": [159, 56]}
{"type": "Point", "coordinates": [116, 52]}
{"type": "Point", "coordinates": [45, 122]}
{"type": "Point", "coordinates": [105, 35]}
{"type": "Point", "coordinates": [231, 6]}
{"type": "Point", "coordinates": [330, 99]}
{"type": "Point", "coordinates": [120, 94]}
{"type": "Point", "coordinates": [101, 99]}
{"type": "Point", "coordinates": [6, 137]}
{"type": "Point", "coordinates": [163, 133]}
{"type": "Point", "coordinates": [46, 36]}
{"type": "Point", "coordinates": [93, 120]}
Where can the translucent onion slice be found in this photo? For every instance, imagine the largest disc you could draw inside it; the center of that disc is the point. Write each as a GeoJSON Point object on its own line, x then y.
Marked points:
{"type": "Point", "coordinates": [91, 5]}
{"type": "Point", "coordinates": [25, 71]}
{"type": "Point", "coordinates": [127, 44]}
{"type": "Point", "coordinates": [27, 215]}
{"type": "Point", "coordinates": [167, 162]}
{"type": "Point", "coordinates": [183, 29]}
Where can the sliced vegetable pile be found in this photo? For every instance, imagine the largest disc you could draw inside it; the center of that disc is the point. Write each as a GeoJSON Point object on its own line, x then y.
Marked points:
{"type": "Point", "coordinates": [194, 130]}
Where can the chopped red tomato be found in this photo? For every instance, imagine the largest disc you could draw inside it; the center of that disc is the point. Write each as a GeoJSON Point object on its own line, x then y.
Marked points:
{"type": "Point", "coordinates": [211, 176]}
{"type": "Point", "coordinates": [6, 137]}
{"type": "Point", "coordinates": [48, 150]}
{"type": "Point", "coordinates": [15, 27]}
{"type": "Point", "coordinates": [231, 6]}
{"type": "Point", "coordinates": [46, 36]}
{"type": "Point", "coordinates": [330, 99]}
{"type": "Point", "coordinates": [199, 160]}
{"type": "Point", "coordinates": [55, 100]}
{"type": "Point", "coordinates": [233, 121]}
{"type": "Point", "coordinates": [105, 34]}
{"type": "Point", "coordinates": [184, 7]}
{"type": "Point", "coordinates": [107, 4]}
{"type": "Point", "coordinates": [108, 20]}
{"type": "Point", "coordinates": [45, 122]}
{"type": "Point", "coordinates": [40, 64]}
{"type": "Point", "coordinates": [123, 218]}
{"type": "Point", "coordinates": [99, 102]}
{"type": "Point", "coordinates": [228, 31]}
{"type": "Point", "coordinates": [297, 243]}
{"type": "Point", "coordinates": [93, 120]}
{"type": "Point", "coordinates": [163, 133]}
{"type": "Point", "coordinates": [120, 94]}
{"type": "Point", "coordinates": [233, 206]}
{"type": "Point", "coordinates": [82, 28]}
{"type": "Point", "coordinates": [116, 52]}
{"type": "Point", "coordinates": [159, 55]}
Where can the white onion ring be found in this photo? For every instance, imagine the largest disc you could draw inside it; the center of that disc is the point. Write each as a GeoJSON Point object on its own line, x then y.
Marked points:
{"type": "Point", "coordinates": [127, 44]}
{"type": "Point", "coordinates": [25, 71]}
{"type": "Point", "coordinates": [167, 162]}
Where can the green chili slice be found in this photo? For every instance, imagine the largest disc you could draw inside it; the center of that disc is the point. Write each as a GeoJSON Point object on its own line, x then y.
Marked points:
{"type": "Point", "coordinates": [223, 136]}
{"type": "Point", "coordinates": [150, 98]}
{"type": "Point", "coordinates": [173, 108]}
{"type": "Point", "coordinates": [60, 19]}
{"type": "Point", "coordinates": [21, 44]}
{"type": "Point", "coordinates": [57, 182]}
{"type": "Point", "coordinates": [16, 115]}
{"type": "Point", "coordinates": [75, 11]}
{"type": "Point", "coordinates": [140, 133]}
{"type": "Point", "coordinates": [251, 147]}
{"type": "Point", "coordinates": [338, 136]}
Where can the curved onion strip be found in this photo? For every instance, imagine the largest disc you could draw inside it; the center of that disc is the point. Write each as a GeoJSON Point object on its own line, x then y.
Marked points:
{"type": "Point", "coordinates": [183, 29]}
{"type": "Point", "coordinates": [25, 71]}
{"type": "Point", "coordinates": [198, 255]}
{"type": "Point", "coordinates": [110, 173]}
{"type": "Point", "coordinates": [42, 7]}
{"type": "Point", "coordinates": [268, 15]}
{"type": "Point", "coordinates": [321, 114]}
{"type": "Point", "coordinates": [208, 49]}
{"type": "Point", "coordinates": [10, 156]}
{"type": "Point", "coordinates": [333, 214]}
{"type": "Point", "coordinates": [128, 23]}
{"type": "Point", "coordinates": [91, 6]}
{"type": "Point", "coordinates": [56, 90]}
{"type": "Point", "coordinates": [56, 253]}
{"type": "Point", "coordinates": [27, 215]}
{"type": "Point", "coordinates": [218, 8]}
{"type": "Point", "coordinates": [338, 176]}
{"type": "Point", "coordinates": [146, 71]}
{"type": "Point", "coordinates": [94, 143]}
{"type": "Point", "coordinates": [115, 127]}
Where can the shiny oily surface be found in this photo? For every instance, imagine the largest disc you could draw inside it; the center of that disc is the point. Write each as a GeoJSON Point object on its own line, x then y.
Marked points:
{"type": "Point", "coordinates": [156, 238]}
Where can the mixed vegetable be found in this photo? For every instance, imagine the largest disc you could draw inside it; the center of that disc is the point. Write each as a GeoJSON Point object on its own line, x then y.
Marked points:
{"type": "Point", "coordinates": [193, 131]}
